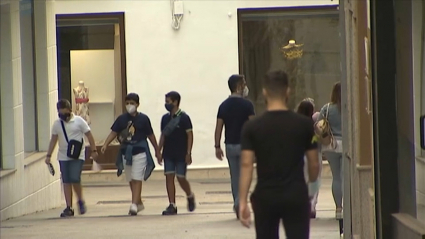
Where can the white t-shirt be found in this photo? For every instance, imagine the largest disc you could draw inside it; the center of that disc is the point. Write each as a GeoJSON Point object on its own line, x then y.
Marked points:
{"type": "Point", "coordinates": [75, 129]}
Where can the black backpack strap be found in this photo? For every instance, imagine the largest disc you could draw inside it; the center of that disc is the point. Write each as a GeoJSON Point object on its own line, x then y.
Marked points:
{"type": "Point", "coordinates": [64, 131]}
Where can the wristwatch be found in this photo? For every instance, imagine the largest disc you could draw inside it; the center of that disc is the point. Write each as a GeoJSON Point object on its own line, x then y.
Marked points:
{"type": "Point", "coordinates": [217, 146]}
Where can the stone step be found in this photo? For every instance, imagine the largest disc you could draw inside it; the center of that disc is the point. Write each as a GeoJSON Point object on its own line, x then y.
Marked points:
{"type": "Point", "coordinates": [110, 176]}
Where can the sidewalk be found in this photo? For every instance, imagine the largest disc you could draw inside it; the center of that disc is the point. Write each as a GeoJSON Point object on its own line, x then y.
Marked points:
{"type": "Point", "coordinates": [108, 206]}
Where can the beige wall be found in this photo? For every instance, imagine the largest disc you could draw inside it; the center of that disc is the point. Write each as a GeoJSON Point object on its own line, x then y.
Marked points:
{"type": "Point", "coordinates": [96, 68]}
{"type": "Point", "coordinates": [26, 185]}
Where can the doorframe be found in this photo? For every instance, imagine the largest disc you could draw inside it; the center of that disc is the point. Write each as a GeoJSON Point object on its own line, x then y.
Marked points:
{"type": "Point", "coordinates": [120, 16]}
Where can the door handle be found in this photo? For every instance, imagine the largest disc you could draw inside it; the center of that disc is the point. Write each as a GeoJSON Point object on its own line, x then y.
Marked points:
{"type": "Point", "coordinates": [422, 129]}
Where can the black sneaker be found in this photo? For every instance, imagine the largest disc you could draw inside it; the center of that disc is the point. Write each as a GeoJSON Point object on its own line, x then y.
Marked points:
{"type": "Point", "coordinates": [191, 205]}
{"type": "Point", "coordinates": [171, 210]}
{"type": "Point", "coordinates": [82, 209]}
{"type": "Point", "coordinates": [68, 212]}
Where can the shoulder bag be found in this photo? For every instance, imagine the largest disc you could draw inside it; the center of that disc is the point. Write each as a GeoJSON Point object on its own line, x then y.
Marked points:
{"type": "Point", "coordinates": [323, 130]}
{"type": "Point", "coordinates": [74, 146]}
{"type": "Point", "coordinates": [172, 125]}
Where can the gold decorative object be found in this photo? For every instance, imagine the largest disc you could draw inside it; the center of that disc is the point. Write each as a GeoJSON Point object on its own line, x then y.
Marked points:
{"type": "Point", "coordinates": [292, 50]}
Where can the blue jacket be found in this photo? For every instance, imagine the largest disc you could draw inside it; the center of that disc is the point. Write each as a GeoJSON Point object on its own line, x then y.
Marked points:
{"type": "Point", "coordinates": [129, 158]}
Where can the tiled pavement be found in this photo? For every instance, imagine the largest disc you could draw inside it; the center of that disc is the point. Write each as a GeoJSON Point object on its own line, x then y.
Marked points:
{"type": "Point", "coordinates": [108, 206]}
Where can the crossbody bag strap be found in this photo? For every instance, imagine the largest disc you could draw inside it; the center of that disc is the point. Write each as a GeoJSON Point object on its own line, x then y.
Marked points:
{"type": "Point", "coordinates": [327, 111]}
{"type": "Point", "coordinates": [64, 131]}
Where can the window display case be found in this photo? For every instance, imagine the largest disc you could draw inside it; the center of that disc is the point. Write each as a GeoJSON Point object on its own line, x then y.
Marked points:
{"type": "Point", "coordinates": [91, 73]}
{"type": "Point", "coordinates": [302, 41]}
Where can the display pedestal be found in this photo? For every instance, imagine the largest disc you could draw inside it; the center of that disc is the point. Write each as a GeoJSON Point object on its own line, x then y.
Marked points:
{"type": "Point", "coordinates": [106, 160]}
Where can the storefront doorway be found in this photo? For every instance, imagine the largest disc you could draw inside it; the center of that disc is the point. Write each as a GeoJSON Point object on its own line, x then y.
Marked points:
{"type": "Point", "coordinates": [92, 72]}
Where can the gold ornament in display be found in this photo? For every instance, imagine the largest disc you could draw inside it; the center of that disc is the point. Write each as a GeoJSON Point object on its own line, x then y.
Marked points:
{"type": "Point", "coordinates": [292, 50]}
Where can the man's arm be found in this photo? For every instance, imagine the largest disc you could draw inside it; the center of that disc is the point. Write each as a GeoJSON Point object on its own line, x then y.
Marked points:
{"type": "Point", "coordinates": [251, 111]}
{"type": "Point", "coordinates": [313, 164]}
{"type": "Point", "coordinates": [91, 141]}
{"type": "Point", "coordinates": [189, 141]}
{"type": "Point", "coordinates": [161, 142]}
{"type": "Point", "coordinates": [154, 143]}
{"type": "Point", "coordinates": [312, 153]}
{"type": "Point", "coordinates": [187, 124]}
{"type": "Point", "coordinates": [247, 163]}
{"type": "Point", "coordinates": [218, 131]}
{"type": "Point", "coordinates": [247, 167]}
{"type": "Point", "coordinates": [52, 144]}
{"type": "Point", "coordinates": [110, 137]}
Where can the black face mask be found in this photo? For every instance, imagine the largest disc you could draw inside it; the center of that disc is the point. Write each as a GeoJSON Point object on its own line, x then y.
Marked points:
{"type": "Point", "coordinates": [64, 116]}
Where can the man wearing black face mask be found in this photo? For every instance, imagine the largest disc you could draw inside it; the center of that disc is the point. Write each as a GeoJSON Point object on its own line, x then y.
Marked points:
{"type": "Point", "coordinates": [67, 128]}
{"type": "Point", "coordinates": [177, 140]}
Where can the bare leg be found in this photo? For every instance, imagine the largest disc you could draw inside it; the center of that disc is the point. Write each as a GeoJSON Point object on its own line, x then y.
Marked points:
{"type": "Point", "coordinates": [67, 190]}
{"type": "Point", "coordinates": [78, 190]}
{"type": "Point", "coordinates": [184, 184]}
{"type": "Point", "coordinates": [136, 191]}
{"type": "Point", "coordinates": [171, 187]}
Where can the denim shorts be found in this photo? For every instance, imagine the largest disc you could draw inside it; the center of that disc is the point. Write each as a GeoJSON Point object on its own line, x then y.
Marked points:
{"type": "Point", "coordinates": [71, 170]}
{"type": "Point", "coordinates": [177, 167]}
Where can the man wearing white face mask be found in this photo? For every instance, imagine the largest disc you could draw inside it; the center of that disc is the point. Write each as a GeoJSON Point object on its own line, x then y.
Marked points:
{"type": "Point", "coordinates": [132, 129]}
{"type": "Point", "coordinates": [233, 113]}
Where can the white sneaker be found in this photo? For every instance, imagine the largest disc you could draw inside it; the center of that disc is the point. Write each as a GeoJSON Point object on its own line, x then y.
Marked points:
{"type": "Point", "coordinates": [140, 207]}
{"type": "Point", "coordinates": [133, 210]}
{"type": "Point", "coordinates": [342, 236]}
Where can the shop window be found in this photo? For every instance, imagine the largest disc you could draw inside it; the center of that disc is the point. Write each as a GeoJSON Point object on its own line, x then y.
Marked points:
{"type": "Point", "coordinates": [92, 71]}
{"type": "Point", "coordinates": [29, 99]}
{"type": "Point", "coordinates": [304, 42]}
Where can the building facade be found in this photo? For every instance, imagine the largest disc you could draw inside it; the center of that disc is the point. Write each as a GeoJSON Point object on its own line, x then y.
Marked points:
{"type": "Point", "coordinates": [28, 98]}
{"type": "Point", "coordinates": [50, 47]}
{"type": "Point", "coordinates": [384, 85]}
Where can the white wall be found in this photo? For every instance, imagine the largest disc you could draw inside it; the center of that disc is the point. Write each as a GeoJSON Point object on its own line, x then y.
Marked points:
{"type": "Point", "coordinates": [26, 184]}
{"type": "Point", "coordinates": [195, 61]}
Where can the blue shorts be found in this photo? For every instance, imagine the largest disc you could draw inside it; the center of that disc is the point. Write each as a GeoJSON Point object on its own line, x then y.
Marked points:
{"type": "Point", "coordinates": [176, 167]}
{"type": "Point", "coordinates": [71, 170]}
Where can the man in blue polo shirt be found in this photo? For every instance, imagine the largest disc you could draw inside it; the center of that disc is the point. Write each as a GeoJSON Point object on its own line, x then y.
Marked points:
{"type": "Point", "coordinates": [177, 140]}
{"type": "Point", "coordinates": [233, 113]}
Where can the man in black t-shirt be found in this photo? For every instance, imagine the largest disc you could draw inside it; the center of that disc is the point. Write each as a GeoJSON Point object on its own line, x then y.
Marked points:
{"type": "Point", "coordinates": [232, 114]}
{"type": "Point", "coordinates": [278, 140]}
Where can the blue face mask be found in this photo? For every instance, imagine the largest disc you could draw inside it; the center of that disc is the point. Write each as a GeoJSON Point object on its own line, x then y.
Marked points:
{"type": "Point", "coordinates": [169, 107]}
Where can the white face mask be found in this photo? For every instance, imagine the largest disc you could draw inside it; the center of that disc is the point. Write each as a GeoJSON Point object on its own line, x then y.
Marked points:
{"type": "Point", "coordinates": [245, 92]}
{"type": "Point", "coordinates": [130, 108]}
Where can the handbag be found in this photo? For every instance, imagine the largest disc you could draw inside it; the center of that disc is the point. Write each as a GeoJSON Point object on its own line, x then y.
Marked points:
{"type": "Point", "coordinates": [323, 130]}
{"type": "Point", "coordinates": [74, 146]}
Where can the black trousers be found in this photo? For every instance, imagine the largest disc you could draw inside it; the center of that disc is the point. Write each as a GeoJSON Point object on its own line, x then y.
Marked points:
{"type": "Point", "coordinates": [269, 212]}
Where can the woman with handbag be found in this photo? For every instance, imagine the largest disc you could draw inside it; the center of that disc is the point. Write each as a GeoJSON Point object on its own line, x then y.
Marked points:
{"type": "Point", "coordinates": [307, 108]}
{"type": "Point", "coordinates": [329, 129]}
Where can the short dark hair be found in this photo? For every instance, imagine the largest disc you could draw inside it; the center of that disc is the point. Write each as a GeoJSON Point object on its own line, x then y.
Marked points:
{"type": "Point", "coordinates": [233, 82]}
{"type": "Point", "coordinates": [174, 96]}
{"type": "Point", "coordinates": [63, 104]}
{"type": "Point", "coordinates": [276, 83]}
{"type": "Point", "coordinates": [306, 108]}
{"type": "Point", "coordinates": [132, 96]}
